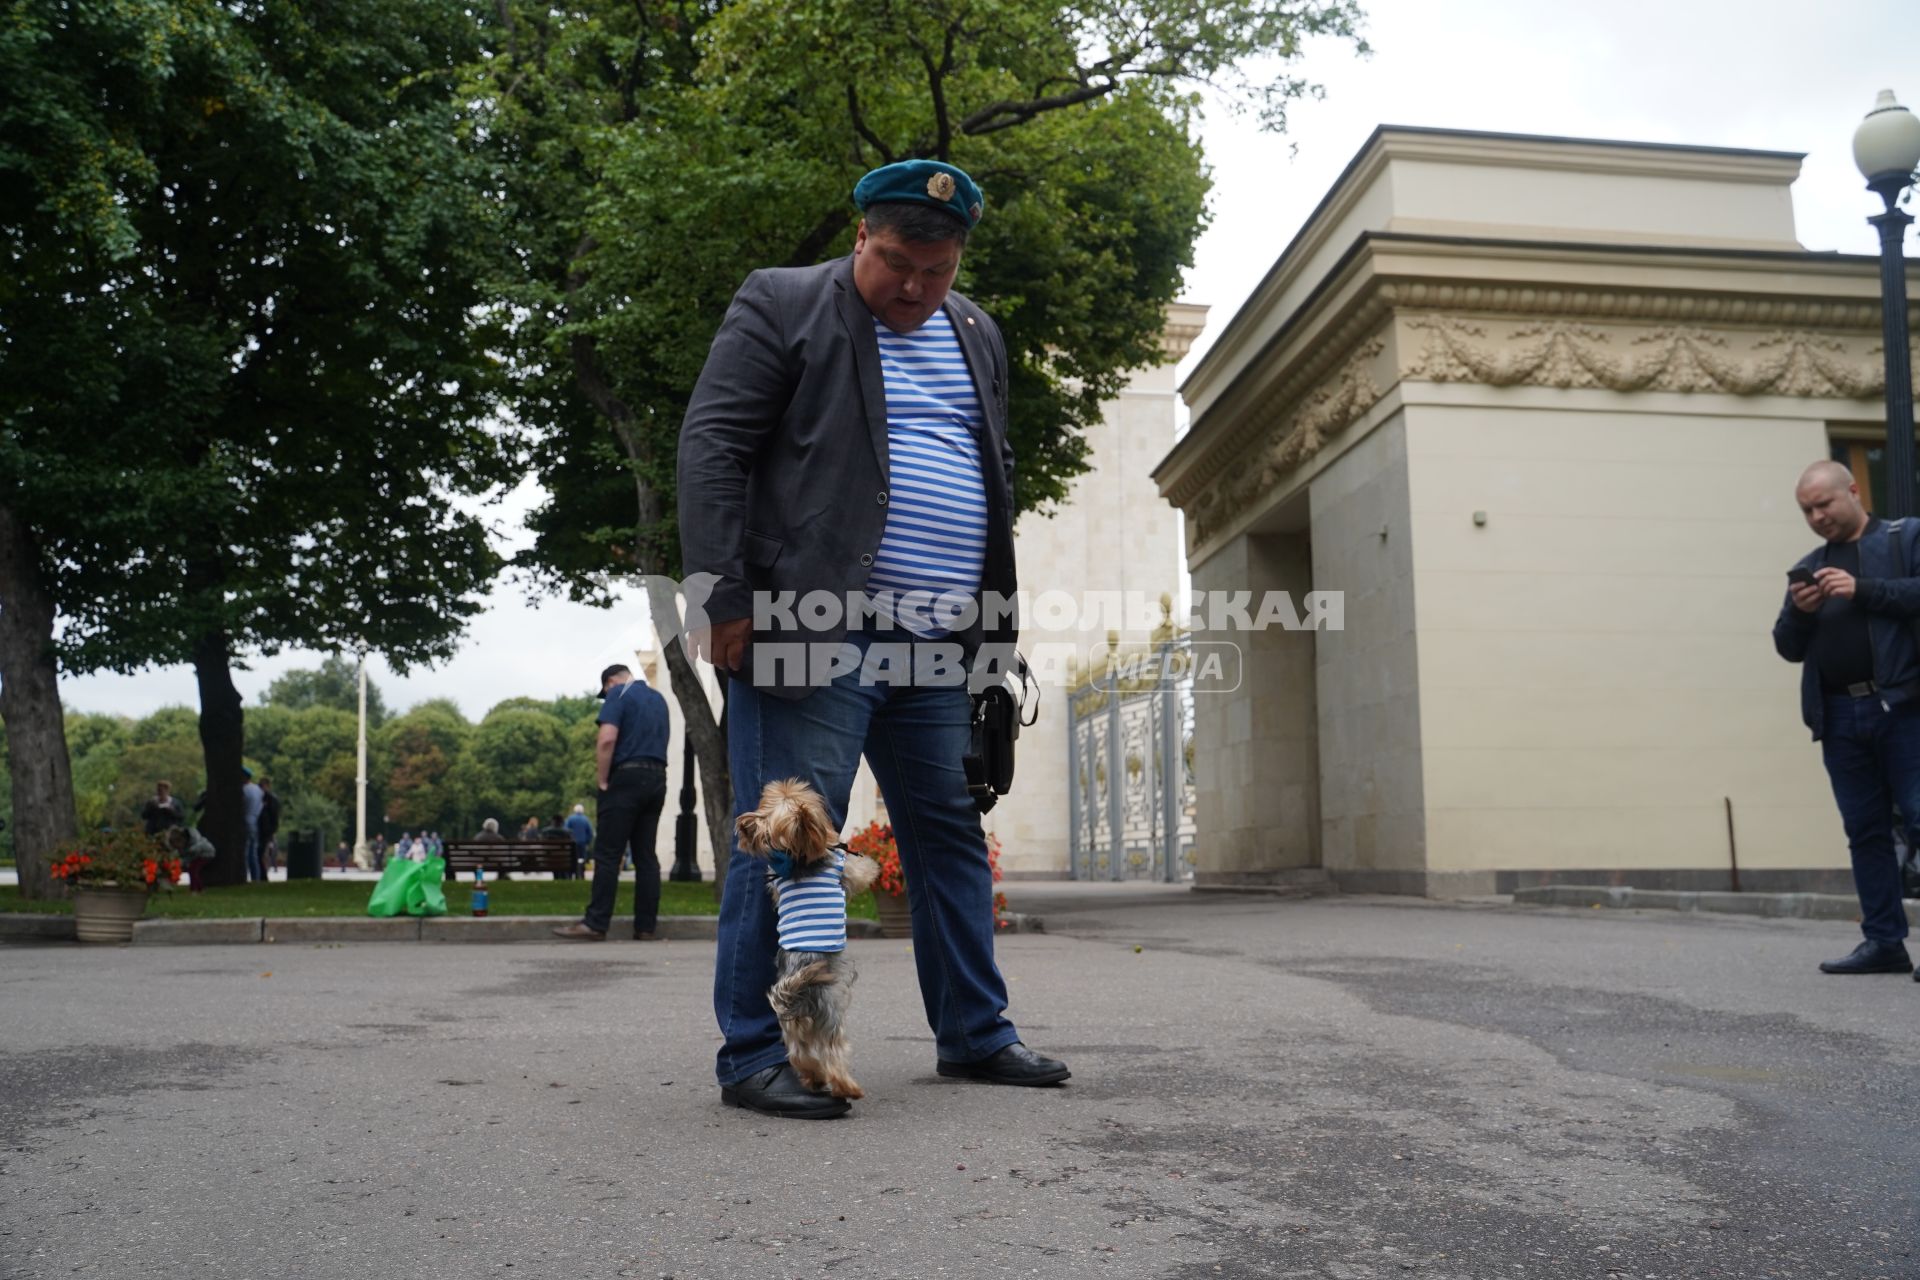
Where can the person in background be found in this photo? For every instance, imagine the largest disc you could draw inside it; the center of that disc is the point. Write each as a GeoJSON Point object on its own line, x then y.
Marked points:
{"type": "Point", "coordinates": [163, 811]}
{"type": "Point", "coordinates": [269, 825]}
{"type": "Point", "coordinates": [582, 832]}
{"type": "Point", "coordinates": [194, 850]}
{"type": "Point", "coordinates": [252, 802]}
{"type": "Point", "coordinates": [1848, 621]}
{"type": "Point", "coordinates": [531, 831]}
{"type": "Point", "coordinates": [490, 831]}
{"type": "Point", "coordinates": [343, 854]}
{"type": "Point", "coordinates": [556, 830]}
{"type": "Point", "coordinates": [630, 765]}
{"type": "Point", "coordinates": [379, 851]}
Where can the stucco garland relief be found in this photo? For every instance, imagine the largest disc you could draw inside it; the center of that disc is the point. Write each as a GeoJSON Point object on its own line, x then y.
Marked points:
{"type": "Point", "coordinates": [1558, 353]}
{"type": "Point", "coordinates": [1334, 404]}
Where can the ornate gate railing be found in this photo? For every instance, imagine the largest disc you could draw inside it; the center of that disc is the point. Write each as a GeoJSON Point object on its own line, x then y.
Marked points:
{"type": "Point", "coordinates": [1130, 765]}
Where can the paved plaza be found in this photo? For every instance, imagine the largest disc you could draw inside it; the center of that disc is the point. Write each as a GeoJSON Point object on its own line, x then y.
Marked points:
{"type": "Point", "coordinates": [1351, 1088]}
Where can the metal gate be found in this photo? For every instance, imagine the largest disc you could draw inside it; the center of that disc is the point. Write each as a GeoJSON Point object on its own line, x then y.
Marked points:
{"type": "Point", "coordinates": [1130, 766]}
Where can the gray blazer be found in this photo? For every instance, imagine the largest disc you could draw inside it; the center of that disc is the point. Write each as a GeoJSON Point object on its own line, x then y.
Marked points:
{"type": "Point", "coordinates": [783, 453]}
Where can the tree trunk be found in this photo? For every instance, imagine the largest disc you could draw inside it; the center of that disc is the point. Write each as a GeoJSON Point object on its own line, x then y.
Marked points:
{"type": "Point", "coordinates": [696, 714]}
{"type": "Point", "coordinates": [41, 773]}
{"type": "Point", "coordinates": [707, 735]}
{"type": "Point", "coordinates": [222, 741]}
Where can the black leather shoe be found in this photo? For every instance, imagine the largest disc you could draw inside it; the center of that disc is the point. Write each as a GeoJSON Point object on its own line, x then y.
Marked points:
{"type": "Point", "coordinates": [1015, 1064]}
{"type": "Point", "coordinates": [777, 1091]}
{"type": "Point", "coordinates": [1872, 957]}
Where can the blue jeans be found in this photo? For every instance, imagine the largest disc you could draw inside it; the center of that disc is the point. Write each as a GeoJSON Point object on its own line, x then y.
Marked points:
{"type": "Point", "coordinates": [1873, 759]}
{"type": "Point", "coordinates": [255, 869]}
{"type": "Point", "coordinates": [913, 739]}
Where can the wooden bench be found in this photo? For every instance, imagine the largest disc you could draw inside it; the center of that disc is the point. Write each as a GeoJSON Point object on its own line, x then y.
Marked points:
{"type": "Point", "coordinates": [497, 857]}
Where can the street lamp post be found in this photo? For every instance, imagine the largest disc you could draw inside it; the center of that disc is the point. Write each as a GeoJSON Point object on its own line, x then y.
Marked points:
{"type": "Point", "coordinates": [361, 857]}
{"type": "Point", "coordinates": [686, 863]}
{"type": "Point", "coordinates": [1886, 146]}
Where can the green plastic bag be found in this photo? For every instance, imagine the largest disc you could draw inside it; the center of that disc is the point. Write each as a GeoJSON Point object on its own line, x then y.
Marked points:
{"type": "Point", "coordinates": [425, 896]}
{"type": "Point", "coordinates": [410, 888]}
{"type": "Point", "coordinates": [390, 895]}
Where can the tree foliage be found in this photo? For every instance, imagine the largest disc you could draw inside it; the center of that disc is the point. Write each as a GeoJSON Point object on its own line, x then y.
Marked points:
{"type": "Point", "coordinates": [336, 684]}
{"type": "Point", "coordinates": [661, 151]}
{"type": "Point", "coordinates": [423, 768]}
{"type": "Point", "coordinates": [517, 766]}
{"type": "Point", "coordinates": [247, 366]}
{"type": "Point", "coordinates": [422, 748]}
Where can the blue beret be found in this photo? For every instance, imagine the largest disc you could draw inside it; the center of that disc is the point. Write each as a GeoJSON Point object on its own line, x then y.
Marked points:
{"type": "Point", "coordinates": [922, 182]}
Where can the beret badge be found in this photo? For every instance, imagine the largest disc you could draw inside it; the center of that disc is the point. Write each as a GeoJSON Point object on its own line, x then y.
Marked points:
{"type": "Point", "coordinates": [940, 186]}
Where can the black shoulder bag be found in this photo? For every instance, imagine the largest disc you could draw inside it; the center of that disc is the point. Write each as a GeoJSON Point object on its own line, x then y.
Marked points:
{"type": "Point", "coordinates": [998, 716]}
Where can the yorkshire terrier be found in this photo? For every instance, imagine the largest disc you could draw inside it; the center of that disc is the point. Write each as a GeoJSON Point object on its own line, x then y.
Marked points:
{"type": "Point", "coordinates": [809, 876]}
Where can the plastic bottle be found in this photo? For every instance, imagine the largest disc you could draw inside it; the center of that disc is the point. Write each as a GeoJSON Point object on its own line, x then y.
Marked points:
{"type": "Point", "coordinates": [479, 892]}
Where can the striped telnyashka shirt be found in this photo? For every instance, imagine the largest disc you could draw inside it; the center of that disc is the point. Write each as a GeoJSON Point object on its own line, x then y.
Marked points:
{"type": "Point", "coordinates": [813, 908]}
{"type": "Point", "coordinates": [935, 544]}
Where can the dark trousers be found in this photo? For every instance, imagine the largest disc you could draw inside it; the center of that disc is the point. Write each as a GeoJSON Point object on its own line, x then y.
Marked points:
{"type": "Point", "coordinates": [629, 812]}
{"type": "Point", "coordinates": [1872, 756]}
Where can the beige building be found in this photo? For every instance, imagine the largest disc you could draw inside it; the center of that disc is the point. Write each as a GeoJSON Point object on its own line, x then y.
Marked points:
{"type": "Point", "coordinates": [1112, 541]}
{"type": "Point", "coordinates": [1536, 407]}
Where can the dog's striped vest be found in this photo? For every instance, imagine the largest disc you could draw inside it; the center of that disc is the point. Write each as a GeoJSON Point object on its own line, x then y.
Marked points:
{"type": "Point", "coordinates": [813, 907]}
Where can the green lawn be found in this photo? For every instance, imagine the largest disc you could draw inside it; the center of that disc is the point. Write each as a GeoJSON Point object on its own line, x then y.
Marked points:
{"type": "Point", "coordinates": [349, 898]}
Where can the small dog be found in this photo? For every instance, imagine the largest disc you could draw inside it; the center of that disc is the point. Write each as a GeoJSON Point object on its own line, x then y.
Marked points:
{"type": "Point", "coordinates": [809, 876]}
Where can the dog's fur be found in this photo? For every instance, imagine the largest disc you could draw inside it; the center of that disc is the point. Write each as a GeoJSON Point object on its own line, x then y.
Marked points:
{"type": "Point", "coordinates": [812, 990]}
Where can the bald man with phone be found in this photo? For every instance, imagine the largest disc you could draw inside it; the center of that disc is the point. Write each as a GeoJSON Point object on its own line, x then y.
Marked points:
{"type": "Point", "coordinates": [1848, 619]}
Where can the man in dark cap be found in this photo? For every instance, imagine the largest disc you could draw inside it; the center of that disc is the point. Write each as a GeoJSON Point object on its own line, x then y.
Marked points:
{"type": "Point", "coordinates": [848, 436]}
{"type": "Point", "coordinates": [630, 763]}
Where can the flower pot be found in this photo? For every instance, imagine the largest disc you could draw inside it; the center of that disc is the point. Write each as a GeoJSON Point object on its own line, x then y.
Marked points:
{"type": "Point", "coordinates": [107, 915]}
{"type": "Point", "coordinates": [895, 920]}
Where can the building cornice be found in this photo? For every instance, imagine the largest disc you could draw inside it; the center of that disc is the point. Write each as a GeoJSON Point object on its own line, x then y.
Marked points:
{"type": "Point", "coordinates": [1387, 143]}
{"type": "Point", "coordinates": [1501, 313]}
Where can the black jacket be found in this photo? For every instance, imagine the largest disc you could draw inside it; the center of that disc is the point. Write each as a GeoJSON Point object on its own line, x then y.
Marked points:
{"type": "Point", "coordinates": [783, 454]}
{"type": "Point", "coordinates": [1892, 599]}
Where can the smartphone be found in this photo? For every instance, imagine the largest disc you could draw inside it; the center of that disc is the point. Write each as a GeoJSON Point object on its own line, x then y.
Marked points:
{"type": "Point", "coordinates": [1800, 577]}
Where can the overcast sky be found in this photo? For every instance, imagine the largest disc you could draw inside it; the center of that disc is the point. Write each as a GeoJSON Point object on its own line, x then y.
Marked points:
{"type": "Point", "coordinates": [1783, 75]}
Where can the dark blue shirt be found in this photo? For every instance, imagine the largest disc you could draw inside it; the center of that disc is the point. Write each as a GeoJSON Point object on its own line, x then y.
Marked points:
{"type": "Point", "coordinates": [582, 830]}
{"type": "Point", "coordinates": [640, 714]}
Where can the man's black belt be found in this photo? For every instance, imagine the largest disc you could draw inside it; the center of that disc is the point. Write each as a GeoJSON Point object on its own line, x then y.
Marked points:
{"type": "Point", "coordinates": [644, 762]}
{"type": "Point", "coordinates": [1864, 689]}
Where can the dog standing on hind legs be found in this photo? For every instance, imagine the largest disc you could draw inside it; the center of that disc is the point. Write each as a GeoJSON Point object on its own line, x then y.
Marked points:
{"type": "Point", "coordinates": [809, 875]}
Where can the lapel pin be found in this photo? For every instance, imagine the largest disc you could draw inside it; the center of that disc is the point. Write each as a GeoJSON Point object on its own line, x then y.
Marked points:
{"type": "Point", "coordinates": [969, 319]}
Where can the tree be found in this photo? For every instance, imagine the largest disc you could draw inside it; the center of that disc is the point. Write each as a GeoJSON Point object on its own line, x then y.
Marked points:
{"type": "Point", "coordinates": [6, 797]}
{"type": "Point", "coordinates": [164, 725]}
{"type": "Point", "coordinates": [319, 753]}
{"type": "Point", "coordinates": [336, 684]}
{"type": "Point", "coordinates": [517, 766]}
{"type": "Point", "coordinates": [96, 744]}
{"type": "Point", "coordinates": [247, 367]}
{"type": "Point", "coordinates": [40, 810]}
{"type": "Point", "coordinates": [658, 151]}
{"type": "Point", "coordinates": [423, 747]}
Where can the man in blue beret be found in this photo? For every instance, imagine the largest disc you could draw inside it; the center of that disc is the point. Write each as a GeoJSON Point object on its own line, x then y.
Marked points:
{"type": "Point", "coordinates": [848, 436]}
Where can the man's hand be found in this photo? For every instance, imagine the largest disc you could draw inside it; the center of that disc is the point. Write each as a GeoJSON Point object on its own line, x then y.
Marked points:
{"type": "Point", "coordinates": [1806, 599]}
{"type": "Point", "coordinates": [1835, 584]}
{"type": "Point", "coordinates": [724, 644]}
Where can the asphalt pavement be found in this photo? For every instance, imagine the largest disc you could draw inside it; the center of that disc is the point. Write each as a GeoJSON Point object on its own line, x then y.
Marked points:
{"type": "Point", "coordinates": [1348, 1088]}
